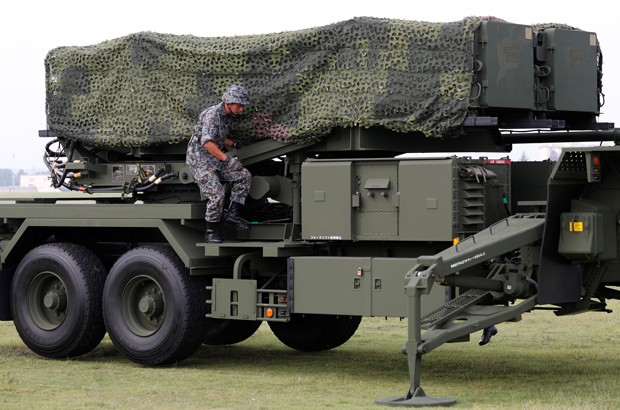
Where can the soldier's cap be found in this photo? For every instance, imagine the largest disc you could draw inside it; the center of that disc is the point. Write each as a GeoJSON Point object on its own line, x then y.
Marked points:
{"type": "Point", "coordinates": [236, 94]}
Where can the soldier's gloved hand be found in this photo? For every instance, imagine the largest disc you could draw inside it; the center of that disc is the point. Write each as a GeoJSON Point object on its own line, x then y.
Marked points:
{"type": "Point", "coordinates": [233, 164]}
{"type": "Point", "coordinates": [238, 145]}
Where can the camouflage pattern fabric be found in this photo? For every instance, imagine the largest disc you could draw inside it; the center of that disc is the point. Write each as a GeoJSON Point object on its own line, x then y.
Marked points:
{"type": "Point", "coordinates": [213, 125]}
{"type": "Point", "coordinates": [235, 94]}
{"type": "Point", "coordinates": [542, 26]}
{"type": "Point", "coordinates": [211, 187]}
{"type": "Point", "coordinates": [149, 88]}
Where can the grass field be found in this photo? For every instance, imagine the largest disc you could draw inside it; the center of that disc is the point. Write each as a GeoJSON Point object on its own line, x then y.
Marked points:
{"type": "Point", "coordinates": [542, 362]}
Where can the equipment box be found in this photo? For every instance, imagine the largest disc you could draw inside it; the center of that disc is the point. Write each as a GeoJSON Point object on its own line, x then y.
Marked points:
{"type": "Point", "coordinates": [396, 199]}
{"type": "Point", "coordinates": [504, 64]}
{"type": "Point", "coordinates": [567, 65]}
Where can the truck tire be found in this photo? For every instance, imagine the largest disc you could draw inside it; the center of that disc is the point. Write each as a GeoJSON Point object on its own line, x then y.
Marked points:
{"type": "Point", "coordinates": [228, 332]}
{"type": "Point", "coordinates": [56, 300]}
{"type": "Point", "coordinates": [314, 333]}
{"type": "Point", "coordinates": [153, 309]}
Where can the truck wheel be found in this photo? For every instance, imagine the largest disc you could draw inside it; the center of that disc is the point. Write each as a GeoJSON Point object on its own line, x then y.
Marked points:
{"type": "Point", "coordinates": [56, 300]}
{"type": "Point", "coordinates": [153, 309]}
{"type": "Point", "coordinates": [313, 333]}
{"type": "Point", "coordinates": [229, 332]}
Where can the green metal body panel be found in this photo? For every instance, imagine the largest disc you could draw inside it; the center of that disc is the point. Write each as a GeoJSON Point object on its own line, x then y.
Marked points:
{"type": "Point", "coordinates": [327, 200]}
{"type": "Point", "coordinates": [378, 200]}
{"type": "Point", "coordinates": [176, 222]}
{"type": "Point", "coordinates": [569, 59]}
{"type": "Point", "coordinates": [233, 299]}
{"type": "Point", "coordinates": [428, 200]}
{"type": "Point", "coordinates": [354, 286]}
{"type": "Point", "coordinates": [269, 249]}
{"type": "Point", "coordinates": [505, 77]}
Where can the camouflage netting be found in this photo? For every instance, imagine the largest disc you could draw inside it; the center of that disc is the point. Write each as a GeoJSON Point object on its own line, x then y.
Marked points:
{"type": "Point", "coordinates": [149, 88]}
{"type": "Point", "coordinates": [543, 26]}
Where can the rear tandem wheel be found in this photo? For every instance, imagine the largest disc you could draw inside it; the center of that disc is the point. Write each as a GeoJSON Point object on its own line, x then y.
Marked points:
{"type": "Point", "coordinates": [56, 300]}
{"type": "Point", "coordinates": [314, 333]}
{"type": "Point", "coordinates": [153, 309]}
{"type": "Point", "coordinates": [229, 332]}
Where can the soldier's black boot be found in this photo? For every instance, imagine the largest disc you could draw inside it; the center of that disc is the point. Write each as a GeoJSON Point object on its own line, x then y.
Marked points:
{"type": "Point", "coordinates": [487, 334]}
{"type": "Point", "coordinates": [212, 235]}
{"type": "Point", "coordinates": [233, 217]}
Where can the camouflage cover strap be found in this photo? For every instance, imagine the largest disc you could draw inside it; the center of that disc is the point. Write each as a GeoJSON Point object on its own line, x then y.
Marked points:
{"type": "Point", "coordinates": [149, 88]}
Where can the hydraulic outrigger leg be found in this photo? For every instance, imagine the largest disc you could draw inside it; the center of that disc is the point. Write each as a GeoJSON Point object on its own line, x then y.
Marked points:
{"type": "Point", "coordinates": [418, 283]}
{"type": "Point", "coordinates": [470, 307]}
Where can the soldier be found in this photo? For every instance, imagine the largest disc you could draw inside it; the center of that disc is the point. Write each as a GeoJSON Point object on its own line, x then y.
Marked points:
{"type": "Point", "coordinates": [209, 164]}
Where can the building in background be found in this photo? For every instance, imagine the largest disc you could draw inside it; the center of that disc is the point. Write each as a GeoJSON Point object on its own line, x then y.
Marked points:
{"type": "Point", "coordinates": [40, 183]}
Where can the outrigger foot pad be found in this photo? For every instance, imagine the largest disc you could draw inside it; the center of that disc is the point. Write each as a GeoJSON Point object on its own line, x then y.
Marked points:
{"type": "Point", "coordinates": [417, 399]}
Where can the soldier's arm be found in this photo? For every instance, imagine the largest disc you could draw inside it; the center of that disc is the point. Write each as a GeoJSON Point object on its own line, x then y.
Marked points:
{"type": "Point", "coordinates": [209, 130]}
{"type": "Point", "coordinates": [214, 150]}
{"type": "Point", "coordinates": [231, 143]}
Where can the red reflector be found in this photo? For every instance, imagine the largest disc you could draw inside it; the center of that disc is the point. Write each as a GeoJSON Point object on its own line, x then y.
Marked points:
{"type": "Point", "coordinates": [597, 161]}
{"type": "Point", "coordinates": [283, 299]}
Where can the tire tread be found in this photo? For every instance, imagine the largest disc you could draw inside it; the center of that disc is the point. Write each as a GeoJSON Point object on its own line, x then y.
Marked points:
{"type": "Point", "coordinates": [92, 328]}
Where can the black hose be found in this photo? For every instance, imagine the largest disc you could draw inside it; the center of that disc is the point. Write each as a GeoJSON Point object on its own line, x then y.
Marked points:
{"type": "Point", "coordinates": [53, 153]}
{"type": "Point", "coordinates": [533, 282]}
{"type": "Point", "coordinates": [61, 182]}
{"type": "Point", "coordinates": [91, 189]}
{"type": "Point", "coordinates": [58, 181]}
{"type": "Point", "coordinates": [152, 184]}
{"type": "Point", "coordinates": [108, 189]}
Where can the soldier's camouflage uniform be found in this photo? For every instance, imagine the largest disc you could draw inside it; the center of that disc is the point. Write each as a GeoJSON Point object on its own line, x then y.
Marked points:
{"type": "Point", "coordinates": [213, 125]}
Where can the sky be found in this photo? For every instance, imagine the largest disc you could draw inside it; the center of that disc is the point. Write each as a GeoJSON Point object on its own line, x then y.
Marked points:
{"type": "Point", "coordinates": [29, 29]}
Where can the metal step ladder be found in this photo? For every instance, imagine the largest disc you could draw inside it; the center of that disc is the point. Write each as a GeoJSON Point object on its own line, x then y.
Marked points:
{"type": "Point", "coordinates": [469, 317]}
{"type": "Point", "coordinates": [454, 307]}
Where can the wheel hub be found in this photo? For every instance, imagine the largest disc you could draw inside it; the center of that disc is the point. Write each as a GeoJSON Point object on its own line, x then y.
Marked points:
{"type": "Point", "coordinates": [143, 305]}
{"type": "Point", "coordinates": [151, 305]}
{"type": "Point", "coordinates": [47, 301]}
{"type": "Point", "coordinates": [56, 302]}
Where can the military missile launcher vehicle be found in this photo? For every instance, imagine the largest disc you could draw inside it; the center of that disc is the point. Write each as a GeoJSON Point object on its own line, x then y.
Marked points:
{"type": "Point", "coordinates": [340, 219]}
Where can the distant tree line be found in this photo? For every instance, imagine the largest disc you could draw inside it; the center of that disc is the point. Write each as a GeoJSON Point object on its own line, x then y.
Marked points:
{"type": "Point", "coordinates": [6, 177]}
